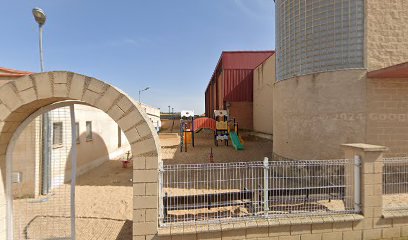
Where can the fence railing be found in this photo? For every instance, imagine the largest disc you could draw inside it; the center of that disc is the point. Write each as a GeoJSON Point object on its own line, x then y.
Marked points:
{"type": "Point", "coordinates": [205, 193]}
{"type": "Point", "coordinates": [395, 183]}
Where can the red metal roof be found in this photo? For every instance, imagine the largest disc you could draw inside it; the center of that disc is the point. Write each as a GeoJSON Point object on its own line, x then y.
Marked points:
{"type": "Point", "coordinates": [7, 72]}
{"type": "Point", "coordinates": [244, 59]}
{"type": "Point", "coordinates": [395, 71]}
{"type": "Point", "coordinates": [240, 60]}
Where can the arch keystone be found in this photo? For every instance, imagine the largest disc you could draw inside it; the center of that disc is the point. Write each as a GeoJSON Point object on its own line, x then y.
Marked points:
{"type": "Point", "coordinates": [43, 85]}
{"type": "Point", "coordinates": [76, 88]}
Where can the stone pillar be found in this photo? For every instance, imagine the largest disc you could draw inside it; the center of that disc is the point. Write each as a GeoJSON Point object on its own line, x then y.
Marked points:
{"type": "Point", "coordinates": [3, 196]}
{"type": "Point", "coordinates": [371, 177]}
{"type": "Point", "coordinates": [145, 198]}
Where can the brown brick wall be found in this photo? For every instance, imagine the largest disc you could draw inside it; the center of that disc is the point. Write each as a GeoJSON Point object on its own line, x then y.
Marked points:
{"type": "Point", "coordinates": [243, 113]}
{"type": "Point", "coordinates": [387, 116]}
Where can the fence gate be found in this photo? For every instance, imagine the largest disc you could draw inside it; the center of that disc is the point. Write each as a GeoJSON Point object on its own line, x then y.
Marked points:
{"type": "Point", "coordinates": [41, 162]}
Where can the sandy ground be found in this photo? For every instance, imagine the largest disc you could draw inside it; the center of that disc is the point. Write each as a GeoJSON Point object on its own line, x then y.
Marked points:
{"type": "Point", "coordinates": [103, 208]}
{"type": "Point", "coordinates": [255, 150]}
{"type": "Point", "coordinates": [104, 195]}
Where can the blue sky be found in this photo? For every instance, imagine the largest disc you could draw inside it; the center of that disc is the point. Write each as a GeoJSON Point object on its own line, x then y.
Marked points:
{"type": "Point", "coordinates": [171, 46]}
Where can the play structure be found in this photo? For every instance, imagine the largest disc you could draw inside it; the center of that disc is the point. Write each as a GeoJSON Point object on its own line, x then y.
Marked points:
{"type": "Point", "coordinates": [223, 128]}
{"type": "Point", "coordinates": [186, 129]}
{"type": "Point", "coordinates": [221, 132]}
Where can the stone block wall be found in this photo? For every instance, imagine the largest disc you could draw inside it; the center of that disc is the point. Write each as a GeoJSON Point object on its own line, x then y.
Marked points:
{"type": "Point", "coordinates": [387, 33]}
{"type": "Point", "coordinates": [387, 114]}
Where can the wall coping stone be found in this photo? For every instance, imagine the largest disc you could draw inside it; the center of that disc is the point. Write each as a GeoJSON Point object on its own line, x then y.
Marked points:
{"type": "Point", "coordinates": [366, 147]}
{"type": "Point", "coordinates": [259, 223]}
{"type": "Point", "coordinates": [395, 213]}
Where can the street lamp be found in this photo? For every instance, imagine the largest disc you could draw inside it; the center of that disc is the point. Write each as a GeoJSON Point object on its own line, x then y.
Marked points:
{"type": "Point", "coordinates": [140, 91]}
{"type": "Point", "coordinates": [40, 18]}
{"type": "Point", "coordinates": [169, 109]}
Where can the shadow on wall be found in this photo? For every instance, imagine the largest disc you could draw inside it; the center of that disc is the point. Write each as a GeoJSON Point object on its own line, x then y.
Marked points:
{"type": "Point", "coordinates": [94, 167]}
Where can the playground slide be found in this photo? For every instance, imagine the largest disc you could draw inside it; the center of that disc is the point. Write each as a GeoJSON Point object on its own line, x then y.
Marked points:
{"type": "Point", "coordinates": [235, 141]}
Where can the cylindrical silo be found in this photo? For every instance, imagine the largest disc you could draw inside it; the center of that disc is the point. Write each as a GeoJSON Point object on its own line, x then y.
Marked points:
{"type": "Point", "coordinates": [319, 97]}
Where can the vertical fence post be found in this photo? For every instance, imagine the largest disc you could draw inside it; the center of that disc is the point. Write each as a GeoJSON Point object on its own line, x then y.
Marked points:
{"type": "Point", "coordinates": [73, 169]}
{"type": "Point", "coordinates": [161, 209]}
{"type": "Point", "coordinates": [368, 190]}
{"type": "Point", "coordinates": [266, 186]}
{"type": "Point", "coordinates": [357, 183]}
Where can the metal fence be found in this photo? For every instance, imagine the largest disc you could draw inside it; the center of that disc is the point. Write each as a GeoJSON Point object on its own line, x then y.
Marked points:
{"type": "Point", "coordinates": [395, 183]}
{"type": "Point", "coordinates": [205, 193]}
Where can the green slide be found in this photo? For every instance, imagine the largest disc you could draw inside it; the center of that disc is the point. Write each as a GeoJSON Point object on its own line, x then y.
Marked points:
{"type": "Point", "coordinates": [235, 141]}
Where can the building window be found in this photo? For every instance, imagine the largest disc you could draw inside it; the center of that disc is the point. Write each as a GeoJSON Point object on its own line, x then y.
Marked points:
{"type": "Point", "coordinates": [89, 131]}
{"type": "Point", "coordinates": [57, 134]}
{"type": "Point", "coordinates": [77, 132]}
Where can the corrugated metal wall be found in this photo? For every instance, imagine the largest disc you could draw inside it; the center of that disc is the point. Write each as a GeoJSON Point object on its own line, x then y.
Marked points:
{"type": "Point", "coordinates": [238, 85]}
{"type": "Point", "coordinates": [232, 80]}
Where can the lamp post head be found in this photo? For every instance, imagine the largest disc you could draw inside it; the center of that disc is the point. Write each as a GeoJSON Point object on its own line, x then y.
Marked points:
{"type": "Point", "coordinates": [146, 89]}
{"type": "Point", "coordinates": [39, 16]}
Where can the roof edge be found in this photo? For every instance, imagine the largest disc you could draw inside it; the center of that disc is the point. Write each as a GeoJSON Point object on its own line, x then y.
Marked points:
{"type": "Point", "coordinates": [394, 71]}
{"type": "Point", "coordinates": [14, 71]}
{"type": "Point", "coordinates": [219, 63]}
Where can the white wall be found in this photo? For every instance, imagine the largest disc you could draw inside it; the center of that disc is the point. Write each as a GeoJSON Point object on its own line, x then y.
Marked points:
{"type": "Point", "coordinates": [154, 115]}
{"type": "Point", "coordinates": [91, 153]}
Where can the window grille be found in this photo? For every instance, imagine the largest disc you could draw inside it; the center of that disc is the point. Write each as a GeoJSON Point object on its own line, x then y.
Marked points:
{"type": "Point", "coordinates": [57, 136]}
{"type": "Point", "coordinates": [89, 136]}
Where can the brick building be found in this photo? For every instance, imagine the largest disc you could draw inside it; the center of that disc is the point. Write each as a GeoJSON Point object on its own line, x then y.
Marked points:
{"type": "Point", "coordinates": [231, 88]}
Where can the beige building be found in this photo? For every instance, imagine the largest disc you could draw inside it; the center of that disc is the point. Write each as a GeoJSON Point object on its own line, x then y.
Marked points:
{"type": "Point", "coordinates": [154, 115]}
{"type": "Point", "coordinates": [264, 79]}
{"type": "Point", "coordinates": [99, 139]}
{"type": "Point", "coordinates": [342, 76]}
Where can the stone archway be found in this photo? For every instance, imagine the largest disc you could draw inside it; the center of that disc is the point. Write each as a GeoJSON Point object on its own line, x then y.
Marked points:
{"type": "Point", "coordinates": [22, 97]}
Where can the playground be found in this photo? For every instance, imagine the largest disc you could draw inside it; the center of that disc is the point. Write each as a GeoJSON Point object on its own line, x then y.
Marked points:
{"type": "Point", "coordinates": [217, 140]}
{"type": "Point", "coordinates": [255, 149]}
